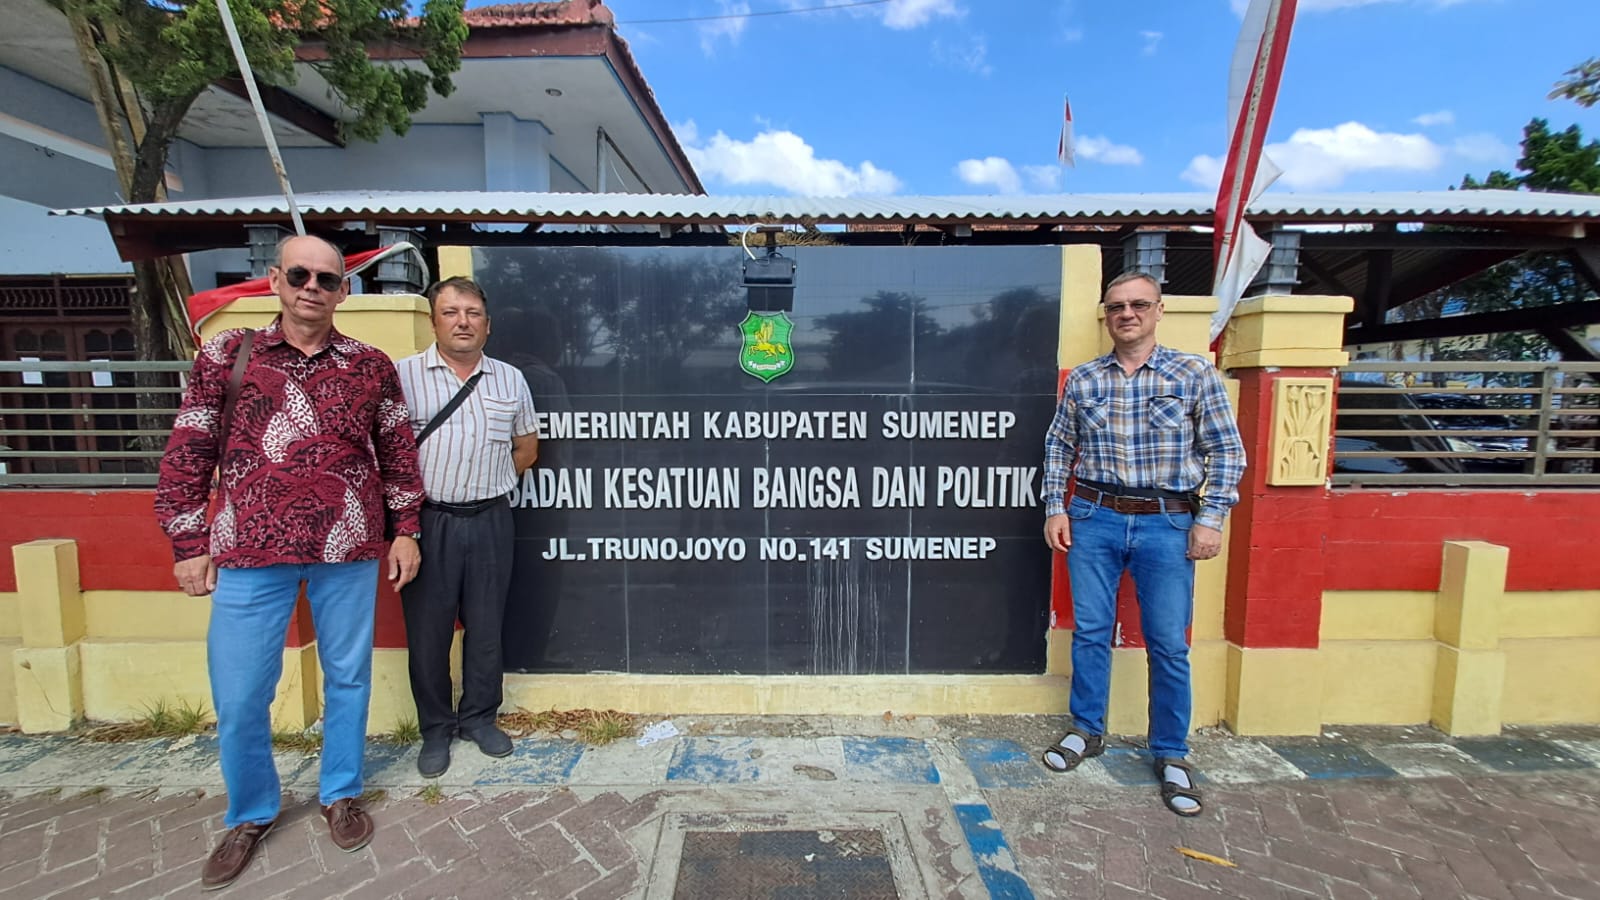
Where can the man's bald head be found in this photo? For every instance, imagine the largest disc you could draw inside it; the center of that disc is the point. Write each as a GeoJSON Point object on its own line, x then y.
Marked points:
{"type": "Point", "coordinates": [294, 240]}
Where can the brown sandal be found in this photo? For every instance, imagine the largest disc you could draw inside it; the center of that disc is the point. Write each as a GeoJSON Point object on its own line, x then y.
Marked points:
{"type": "Point", "coordinates": [1093, 745]}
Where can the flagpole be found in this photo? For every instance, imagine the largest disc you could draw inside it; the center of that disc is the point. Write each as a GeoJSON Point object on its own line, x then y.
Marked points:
{"type": "Point", "coordinates": [261, 114]}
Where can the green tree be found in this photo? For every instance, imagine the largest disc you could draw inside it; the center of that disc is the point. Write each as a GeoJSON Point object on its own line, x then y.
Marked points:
{"type": "Point", "coordinates": [149, 60]}
{"type": "Point", "coordinates": [1551, 161]}
{"type": "Point", "coordinates": [1581, 84]}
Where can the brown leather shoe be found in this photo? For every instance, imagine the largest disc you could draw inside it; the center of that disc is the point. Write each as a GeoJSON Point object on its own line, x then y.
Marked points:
{"type": "Point", "coordinates": [348, 824]}
{"type": "Point", "coordinates": [233, 854]}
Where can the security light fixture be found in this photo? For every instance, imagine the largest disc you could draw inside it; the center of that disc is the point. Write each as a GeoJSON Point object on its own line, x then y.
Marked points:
{"type": "Point", "coordinates": [1282, 269]}
{"type": "Point", "coordinates": [769, 278]}
{"type": "Point", "coordinates": [1146, 251]}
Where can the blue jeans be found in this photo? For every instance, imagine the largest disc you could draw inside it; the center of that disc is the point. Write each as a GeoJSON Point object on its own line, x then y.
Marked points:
{"type": "Point", "coordinates": [244, 653]}
{"type": "Point", "coordinates": [1153, 548]}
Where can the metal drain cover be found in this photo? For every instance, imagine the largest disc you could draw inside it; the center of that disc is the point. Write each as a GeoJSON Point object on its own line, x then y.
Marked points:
{"type": "Point", "coordinates": [785, 865]}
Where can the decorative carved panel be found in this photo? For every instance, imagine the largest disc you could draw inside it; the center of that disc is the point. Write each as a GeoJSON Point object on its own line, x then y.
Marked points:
{"type": "Point", "coordinates": [1301, 418]}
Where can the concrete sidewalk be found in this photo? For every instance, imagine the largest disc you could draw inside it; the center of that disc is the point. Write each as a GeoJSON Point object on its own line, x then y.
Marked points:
{"type": "Point", "coordinates": [785, 807]}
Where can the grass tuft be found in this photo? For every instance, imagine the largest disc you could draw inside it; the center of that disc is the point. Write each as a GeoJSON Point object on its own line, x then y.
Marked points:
{"type": "Point", "coordinates": [159, 720]}
{"type": "Point", "coordinates": [304, 741]}
{"type": "Point", "coordinates": [593, 726]}
{"type": "Point", "coordinates": [404, 732]}
{"type": "Point", "coordinates": [432, 795]}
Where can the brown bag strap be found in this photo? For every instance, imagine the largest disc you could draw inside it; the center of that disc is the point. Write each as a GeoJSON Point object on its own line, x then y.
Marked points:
{"type": "Point", "coordinates": [241, 361]}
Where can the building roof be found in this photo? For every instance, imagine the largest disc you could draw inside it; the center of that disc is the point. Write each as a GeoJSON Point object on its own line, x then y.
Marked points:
{"type": "Point", "coordinates": [425, 207]}
{"type": "Point", "coordinates": [544, 15]}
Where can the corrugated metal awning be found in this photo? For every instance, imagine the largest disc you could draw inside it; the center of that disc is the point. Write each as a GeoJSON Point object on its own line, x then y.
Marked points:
{"type": "Point", "coordinates": [154, 229]}
{"type": "Point", "coordinates": [647, 208]}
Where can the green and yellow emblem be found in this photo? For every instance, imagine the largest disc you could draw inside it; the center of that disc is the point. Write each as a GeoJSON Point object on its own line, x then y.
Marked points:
{"type": "Point", "coordinates": [766, 353]}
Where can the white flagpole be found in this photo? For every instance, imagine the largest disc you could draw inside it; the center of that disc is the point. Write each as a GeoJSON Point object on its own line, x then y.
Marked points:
{"type": "Point", "coordinates": [261, 114]}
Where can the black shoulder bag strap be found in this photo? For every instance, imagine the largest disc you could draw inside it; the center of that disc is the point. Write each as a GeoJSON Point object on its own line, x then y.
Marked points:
{"type": "Point", "coordinates": [456, 401]}
{"type": "Point", "coordinates": [241, 361]}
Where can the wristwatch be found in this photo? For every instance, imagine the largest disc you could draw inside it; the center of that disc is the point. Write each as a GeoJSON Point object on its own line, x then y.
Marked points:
{"type": "Point", "coordinates": [414, 535]}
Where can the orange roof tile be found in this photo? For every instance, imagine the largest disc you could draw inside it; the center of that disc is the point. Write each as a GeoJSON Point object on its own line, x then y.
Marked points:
{"type": "Point", "coordinates": [556, 13]}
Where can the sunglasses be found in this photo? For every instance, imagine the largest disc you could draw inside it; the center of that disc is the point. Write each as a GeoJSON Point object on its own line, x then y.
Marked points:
{"type": "Point", "coordinates": [1139, 307]}
{"type": "Point", "coordinates": [297, 276]}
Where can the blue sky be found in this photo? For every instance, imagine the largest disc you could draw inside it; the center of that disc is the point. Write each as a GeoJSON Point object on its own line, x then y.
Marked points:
{"type": "Point", "coordinates": [964, 96]}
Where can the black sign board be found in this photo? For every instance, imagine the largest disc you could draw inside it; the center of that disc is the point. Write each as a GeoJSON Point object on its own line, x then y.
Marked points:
{"type": "Point", "coordinates": [873, 510]}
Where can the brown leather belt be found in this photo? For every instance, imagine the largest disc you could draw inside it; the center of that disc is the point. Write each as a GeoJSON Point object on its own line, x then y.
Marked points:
{"type": "Point", "coordinates": [1130, 506]}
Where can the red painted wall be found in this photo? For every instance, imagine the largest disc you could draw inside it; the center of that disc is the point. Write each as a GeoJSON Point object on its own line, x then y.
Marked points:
{"type": "Point", "coordinates": [120, 547]}
{"type": "Point", "coordinates": [1380, 540]}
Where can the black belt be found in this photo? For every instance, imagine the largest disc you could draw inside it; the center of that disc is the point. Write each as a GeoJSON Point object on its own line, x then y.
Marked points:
{"type": "Point", "coordinates": [1132, 506]}
{"type": "Point", "coordinates": [463, 509]}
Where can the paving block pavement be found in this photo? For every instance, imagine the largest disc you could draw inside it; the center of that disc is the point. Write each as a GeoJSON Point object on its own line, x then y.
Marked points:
{"type": "Point", "coordinates": [962, 805]}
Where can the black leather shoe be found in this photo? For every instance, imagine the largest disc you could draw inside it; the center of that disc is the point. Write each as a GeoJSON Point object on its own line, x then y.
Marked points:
{"type": "Point", "coordinates": [490, 739]}
{"type": "Point", "coordinates": [434, 759]}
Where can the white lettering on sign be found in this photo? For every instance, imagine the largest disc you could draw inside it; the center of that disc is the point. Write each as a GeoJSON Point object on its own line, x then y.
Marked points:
{"type": "Point", "coordinates": [674, 487]}
{"type": "Point", "coordinates": [944, 424]}
{"type": "Point", "coordinates": [929, 547]}
{"type": "Point", "coordinates": [554, 489]}
{"type": "Point", "coordinates": [804, 487]}
{"type": "Point", "coordinates": [595, 425]}
{"type": "Point", "coordinates": [986, 487]}
{"type": "Point", "coordinates": [787, 424]}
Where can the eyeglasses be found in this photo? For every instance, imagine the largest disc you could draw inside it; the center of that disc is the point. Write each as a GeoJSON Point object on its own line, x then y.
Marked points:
{"type": "Point", "coordinates": [297, 276]}
{"type": "Point", "coordinates": [1139, 307]}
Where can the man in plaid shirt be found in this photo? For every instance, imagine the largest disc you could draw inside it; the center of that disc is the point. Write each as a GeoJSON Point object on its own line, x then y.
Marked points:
{"type": "Point", "coordinates": [1147, 437]}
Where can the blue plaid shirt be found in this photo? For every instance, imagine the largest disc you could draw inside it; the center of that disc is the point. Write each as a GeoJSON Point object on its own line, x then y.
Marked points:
{"type": "Point", "coordinates": [1168, 425]}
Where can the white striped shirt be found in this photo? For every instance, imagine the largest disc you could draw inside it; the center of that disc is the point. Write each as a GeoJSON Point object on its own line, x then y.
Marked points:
{"type": "Point", "coordinates": [468, 458]}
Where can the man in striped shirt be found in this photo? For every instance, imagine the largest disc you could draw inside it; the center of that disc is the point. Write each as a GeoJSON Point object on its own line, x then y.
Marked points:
{"type": "Point", "coordinates": [469, 463]}
{"type": "Point", "coordinates": [1150, 438]}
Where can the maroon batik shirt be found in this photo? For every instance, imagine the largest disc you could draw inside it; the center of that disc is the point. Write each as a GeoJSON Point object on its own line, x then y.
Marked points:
{"type": "Point", "coordinates": [320, 464]}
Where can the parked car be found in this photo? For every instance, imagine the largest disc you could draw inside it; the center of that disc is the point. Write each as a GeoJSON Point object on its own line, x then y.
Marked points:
{"type": "Point", "coordinates": [1402, 415]}
{"type": "Point", "coordinates": [1486, 418]}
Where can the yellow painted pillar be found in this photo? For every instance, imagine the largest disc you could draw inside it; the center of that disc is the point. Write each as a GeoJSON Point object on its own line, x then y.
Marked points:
{"type": "Point", "coordinates": [1469, 681]}
{"type": "Point", "coordinates": [47, 670]}
{"type": "Point", "coordinates": [397, 324]}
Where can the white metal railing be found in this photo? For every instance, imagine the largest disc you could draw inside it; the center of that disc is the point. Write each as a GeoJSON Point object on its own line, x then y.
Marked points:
{"type": "Point", "coordinates": [1467, 423]}
{"type": "Point", "coordinates": [77, 424]}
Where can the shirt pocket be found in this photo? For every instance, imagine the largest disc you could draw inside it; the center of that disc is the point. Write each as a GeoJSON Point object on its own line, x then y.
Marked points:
{"type": "Point", "coordinates": [1096, 413]}
{"type": "Point", "coordinates": [499, 416]}
{"type": "Point", "coordinates": [1167, 411]}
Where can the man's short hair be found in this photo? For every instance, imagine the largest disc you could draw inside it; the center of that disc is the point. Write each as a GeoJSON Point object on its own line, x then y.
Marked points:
{"type": "Point", "coordinates": [459, 283]}
{"type": "Point", "coordinates": [277, 259]}
{"type": "Point", "coordinates": [1132, 275]}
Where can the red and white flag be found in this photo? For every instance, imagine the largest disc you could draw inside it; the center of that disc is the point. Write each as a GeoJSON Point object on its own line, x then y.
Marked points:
{"type": "Point", "coordinates": [1257, 69]}
{"type": "Point", "coordinates": [205, 304]}
{"type": "Point", "coordinates": [1064, 145]}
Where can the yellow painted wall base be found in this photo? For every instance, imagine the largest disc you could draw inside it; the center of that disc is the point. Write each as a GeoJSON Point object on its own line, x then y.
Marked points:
{"type": "Point", "coordinates": [1468, 686]}
{"type": "Point", "coordinates": [49, 688]}
{"type": "Point", "coordinates": [1551, 680]}
{"type": "Point", "coordinates": [125, 680]}
{"type": "Point", "coordinates": [8, 682]}
{"type": "Point", "coordinates": [1274, 691]}
{"type": "Point", "coordinates": [922, 695]}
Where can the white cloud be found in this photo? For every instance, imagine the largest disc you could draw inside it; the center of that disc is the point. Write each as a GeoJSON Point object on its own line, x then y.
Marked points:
{"type": "Point", "coordinates": [1152, 40]}
{"type": "Point", "coordinates": [1321, 158]}
{"type": "Point", "coordinates": [1429, 120]}
{"type": "Point", "coordinates": [1102, 150]}
{"type": "Point", "coordinates": [1042, 178]}
{"type": "Point", "coordinates": [1071, 35]}
{"type": "Point", "coordinates": [901, 15]}
{"type": "Point", "coordinates": [1483, 148]}
{"type": "Point", "coordinates": [992, 171]}
{"type": "Point", "coordinates": [971, 55]}
{"type": "Point", "coordinates": [905, 14]}
{"type": "Point", "coordinates": [781, 159]}
{"type": "Point", "coordinates": [731, 28]}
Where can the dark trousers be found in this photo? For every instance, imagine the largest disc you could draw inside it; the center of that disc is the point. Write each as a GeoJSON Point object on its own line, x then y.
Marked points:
{"type": "Point", "coordinates": [465, 574]}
